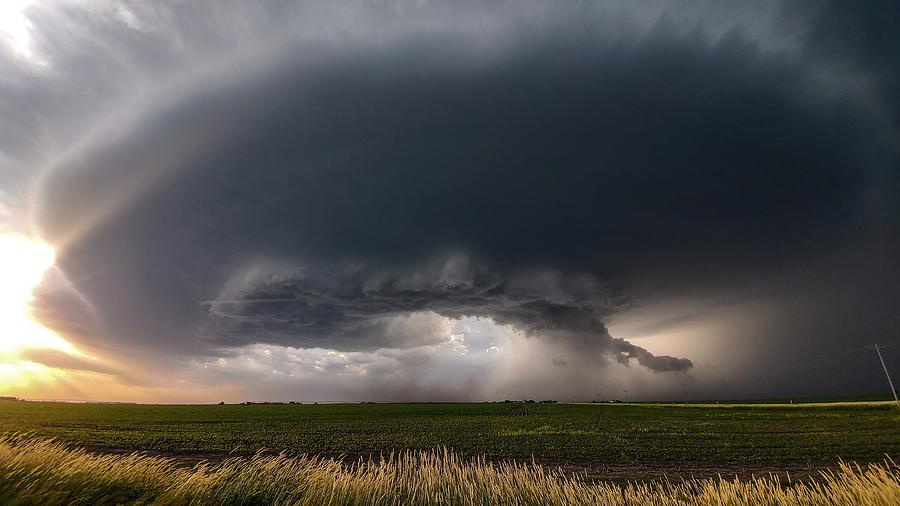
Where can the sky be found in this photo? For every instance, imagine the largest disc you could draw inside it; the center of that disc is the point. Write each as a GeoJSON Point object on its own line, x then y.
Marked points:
{"type": "Point", "coordinates": [436, 201]}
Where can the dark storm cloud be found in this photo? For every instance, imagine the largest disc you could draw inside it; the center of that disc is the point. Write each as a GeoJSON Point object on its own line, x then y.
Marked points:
{"type": "Point", "coordinates": [565, 149]}
{"type": "Point", "coordinates": [860, 36]}
{"type": "Point", "coordinates": [574, 141]}
{"type": "Point", "coordinates": [358, 309]}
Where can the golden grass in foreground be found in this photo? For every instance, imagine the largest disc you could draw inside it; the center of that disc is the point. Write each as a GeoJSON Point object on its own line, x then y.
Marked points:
{"type": "Point", "coordinates": [46, 472]}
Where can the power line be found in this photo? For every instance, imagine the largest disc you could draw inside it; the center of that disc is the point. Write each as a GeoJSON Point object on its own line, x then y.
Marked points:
{"type": "Point", "coordinates": [887, 375]}
{"type": "Point", "coordinates": [801, 366]}
{"type": "Point", "coordinates": [805, 365]}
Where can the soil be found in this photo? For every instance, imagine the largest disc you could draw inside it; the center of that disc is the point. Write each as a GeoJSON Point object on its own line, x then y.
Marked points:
{"type": "Point", "coordinates": [594, 470]}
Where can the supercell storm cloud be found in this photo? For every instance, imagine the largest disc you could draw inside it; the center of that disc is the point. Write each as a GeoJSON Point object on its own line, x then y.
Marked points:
{"type": "Point", "coordinates": [340, 199]}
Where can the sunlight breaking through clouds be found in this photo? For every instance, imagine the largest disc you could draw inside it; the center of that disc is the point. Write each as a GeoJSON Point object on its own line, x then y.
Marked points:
{"type": "Point", "coordinates": [14, 26]}
{"type": "Point", "coordinates": [23, 263]}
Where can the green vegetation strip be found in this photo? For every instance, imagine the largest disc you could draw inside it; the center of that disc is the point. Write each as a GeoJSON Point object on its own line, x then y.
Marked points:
{"type": "Point", "coordinates": [555, 432]}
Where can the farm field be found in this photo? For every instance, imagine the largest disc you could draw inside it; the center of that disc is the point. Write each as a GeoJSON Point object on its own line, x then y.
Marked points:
{"type": "Point", "coordinates": [488, 453]}
{"type": "Point", "coordinates": [606, 440]}
{"type": "Point", "coordinates": [50, 474]}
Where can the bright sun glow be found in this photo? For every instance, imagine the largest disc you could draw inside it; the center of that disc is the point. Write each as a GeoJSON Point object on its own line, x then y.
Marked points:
{"type": "Point", "coordinates": [23, 263]}
{"type": "Point", "coordinates": [14, 26]}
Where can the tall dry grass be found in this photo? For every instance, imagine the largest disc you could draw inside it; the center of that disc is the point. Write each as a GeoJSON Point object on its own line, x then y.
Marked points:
{"type": "Point", "coordinates": [48, 473]}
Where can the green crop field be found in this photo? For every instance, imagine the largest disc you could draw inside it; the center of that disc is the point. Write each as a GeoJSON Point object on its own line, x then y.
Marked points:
{"type": "Point", "coordinates": [595, 433]}
{"type": "Point", "coordinates": [491, 453]}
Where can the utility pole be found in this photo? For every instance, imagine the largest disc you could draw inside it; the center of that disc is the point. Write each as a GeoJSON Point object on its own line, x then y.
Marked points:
{"type": "Point", "coordinates": [888, 375]}
{"type": "Point", "coordinates": [626, 396]}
